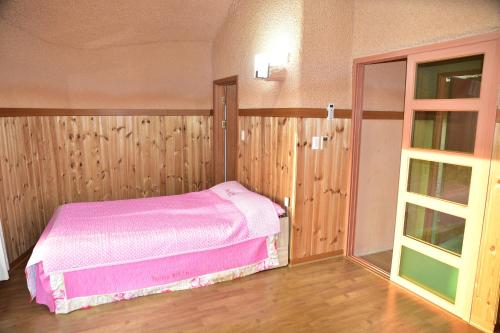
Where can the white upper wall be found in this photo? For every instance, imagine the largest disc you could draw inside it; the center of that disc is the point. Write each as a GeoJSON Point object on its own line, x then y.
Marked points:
{"type": "Point", "coordinates": [108, 54]}
{"type": "Point", "coordinates": [93, 24]}
{"type": "Point", "coordinates": [388, 25]}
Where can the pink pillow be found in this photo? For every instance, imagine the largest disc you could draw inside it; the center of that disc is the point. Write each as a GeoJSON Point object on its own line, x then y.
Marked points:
{"type": "Point", "coordinates": [236, 187]}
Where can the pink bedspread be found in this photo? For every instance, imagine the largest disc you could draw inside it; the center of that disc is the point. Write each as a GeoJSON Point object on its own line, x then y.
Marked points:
{"type": "Point", "coordinates": [89, 235]}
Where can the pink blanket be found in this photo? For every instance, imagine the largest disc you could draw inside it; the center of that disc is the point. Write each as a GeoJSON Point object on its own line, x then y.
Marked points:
{"type": "Point", "coordinates": [88, 235]}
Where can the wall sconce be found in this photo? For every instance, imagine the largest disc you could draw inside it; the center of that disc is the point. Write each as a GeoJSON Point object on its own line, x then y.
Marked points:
{"type": "Point", "coordinates": [271, 67]}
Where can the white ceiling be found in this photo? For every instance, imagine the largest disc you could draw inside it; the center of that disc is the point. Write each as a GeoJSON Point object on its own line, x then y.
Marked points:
{"type": "Point", "coordinates": [95, 24]}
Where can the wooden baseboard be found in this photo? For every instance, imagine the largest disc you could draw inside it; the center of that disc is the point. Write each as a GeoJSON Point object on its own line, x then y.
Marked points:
{"type": "Point", "coordinates": [21, 258]}
{"type": "Point", "coordinates": [490, 329]}
{"type": "Point", "coordinates": [316, 257]}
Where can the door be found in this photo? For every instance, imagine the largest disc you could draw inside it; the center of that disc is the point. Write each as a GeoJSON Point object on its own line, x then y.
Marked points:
{"type": "Point", "coordinates": [446, 151]}
{"type": "Point", "coordinates": [225, 123]}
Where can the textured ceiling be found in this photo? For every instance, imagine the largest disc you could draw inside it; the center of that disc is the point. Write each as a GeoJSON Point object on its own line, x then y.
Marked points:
{"type": "Point", "coordinates": [94, 24]}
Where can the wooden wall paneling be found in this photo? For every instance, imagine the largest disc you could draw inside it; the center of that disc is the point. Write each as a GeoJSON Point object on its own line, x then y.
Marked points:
{"type": "Point", "coordinates": [279, 158]}
{"type": "Point", "coordinates": [179, 156]}
{"type": "Point", "coordinates": [121, 132]}
{"type": "Point", "coordinates": [203, 157]}
{"type": "Point", "coordinates": [487, 285]}
{"type": "Point", "coordinates": [301, 228]}
{"type": "Point", "coordinates": [192, 164]}
{"type": "Point", "coordinates": [51, 160]}
{"type": "Point", "coordinates": [32, 139]}
{"type": "Point", "coordinates": [45, 165]}
{"type": "Point", "coordinates": [266, 156]}
{"type": "Point", "coordinates": [319, 224]}
{"type": "Point", "coordinates": [276, 159]}
{"type": "Point", "coordinates": [285, 159]}
{"type": "Point", "coordinates": [345, 178]}
{"type": "Point", "coordinates": [207, 153]}
{"type": "Point", "coordinates": [320, 191]}
{"type": "Point", "coordinates": [171, 142]}
{"type": "Point", "coordinates": [197, 166]}
{"type": "Point", "coordinates": [256, 152]}
{"type": "Point", "coordinates": [327, 239]}
{"type": "Point", "coordinates": [18, 188]}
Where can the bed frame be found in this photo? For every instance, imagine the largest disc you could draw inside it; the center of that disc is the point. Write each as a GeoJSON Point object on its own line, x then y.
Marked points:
{"type": "Point", "coordinates": [284, 242]}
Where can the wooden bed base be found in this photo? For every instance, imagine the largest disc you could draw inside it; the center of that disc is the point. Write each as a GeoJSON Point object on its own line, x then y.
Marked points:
{"type": "Point", "coordinates": [284, 241]}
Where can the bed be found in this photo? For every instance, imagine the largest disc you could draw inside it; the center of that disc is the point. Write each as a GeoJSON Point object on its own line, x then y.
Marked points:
{"type": "Point", "coordinates": [101, 252]}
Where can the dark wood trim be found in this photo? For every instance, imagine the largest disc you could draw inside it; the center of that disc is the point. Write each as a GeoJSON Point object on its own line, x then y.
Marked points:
{"type": "Point", "coordinates": [316, 257]}
{"type": "Point", "coordinates": [32, 112]}
{"type": "Point", "coordinates": [264, 112]}
{"type": "Point", "coordinates": [227, 80]}
{"type": "Point", "coordinates": [21, 258]}
{"type": "Point", "coordinates": [404, 53]}
{"type": "Point", "coordinates": [355, 140]}
{"type": "Point", "coordinates": [384, 115]}
{"type": "Point", "coordinates": [317, 113]}
{"type": "Point", "coordinates": [293, 112]}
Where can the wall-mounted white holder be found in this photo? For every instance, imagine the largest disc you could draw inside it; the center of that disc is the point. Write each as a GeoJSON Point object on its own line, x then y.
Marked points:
{"type": "Point", "coordinates": [331, 111]}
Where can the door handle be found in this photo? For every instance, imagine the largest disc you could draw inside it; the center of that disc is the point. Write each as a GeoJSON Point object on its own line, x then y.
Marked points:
{"type": "Point", "coordinates": [224, 124]}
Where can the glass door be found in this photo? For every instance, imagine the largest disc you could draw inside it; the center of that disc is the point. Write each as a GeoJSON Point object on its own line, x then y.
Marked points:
{"type": "Point", "coordinates": [447, 136]}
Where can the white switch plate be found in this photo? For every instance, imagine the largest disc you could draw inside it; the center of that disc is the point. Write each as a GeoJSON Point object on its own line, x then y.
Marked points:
{"type": "Point", "coordinates": [286, 201]}
{"type": "Point", "coordinates": [316, 142]}
{"type": "Point", "coordinates": [242, 135]}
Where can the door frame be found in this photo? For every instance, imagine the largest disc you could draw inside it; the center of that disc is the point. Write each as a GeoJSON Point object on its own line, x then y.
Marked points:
{"type": "Point", "coordinates": [230, 80]}
{"type": "Point", "coordinates": [356, 122]}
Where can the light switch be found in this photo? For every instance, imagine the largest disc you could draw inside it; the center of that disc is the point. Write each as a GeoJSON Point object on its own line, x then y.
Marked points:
{"type": "Point", "coordinates": [316, 142]}
{"type": "Point", "coordinates": [242, 135]}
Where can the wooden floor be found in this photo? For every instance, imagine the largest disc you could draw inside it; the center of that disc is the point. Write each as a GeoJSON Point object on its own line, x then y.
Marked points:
{"type": "Point", "coordinates": [334, 295]}
{"type": "Point", "coordinates": [382, 260]}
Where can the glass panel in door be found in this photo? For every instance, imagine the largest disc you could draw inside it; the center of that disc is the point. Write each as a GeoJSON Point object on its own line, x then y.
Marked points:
{"type": "Point", "coordinates": [450, 78]}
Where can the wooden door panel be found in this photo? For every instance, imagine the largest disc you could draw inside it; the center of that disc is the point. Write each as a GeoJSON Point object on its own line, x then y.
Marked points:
{"type": "Point", "coordinates": [225, 93]}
